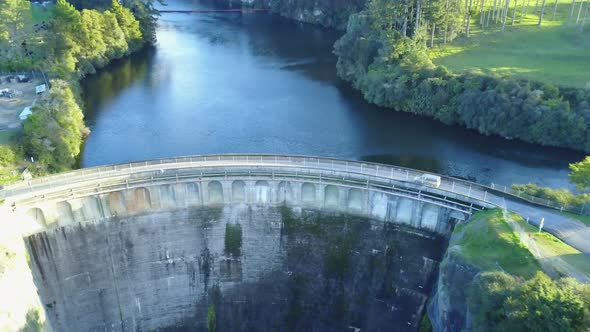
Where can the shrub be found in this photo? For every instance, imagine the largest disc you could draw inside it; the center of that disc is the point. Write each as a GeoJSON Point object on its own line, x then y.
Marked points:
{"type": "Point", "coordinates": [394, 71]}
{"type": "Point", "coordinates": [499, 302]}
{"type": "Point", "coordinates": [233, 239]}
{"type": "Point", "coordinates": [53, 132]}
{"type": "Point", "coordinates": [563, 197]}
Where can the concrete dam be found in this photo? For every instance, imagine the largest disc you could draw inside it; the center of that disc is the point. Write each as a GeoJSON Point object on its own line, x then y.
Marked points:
{"type": "Point", "coordinates": [235, 243]}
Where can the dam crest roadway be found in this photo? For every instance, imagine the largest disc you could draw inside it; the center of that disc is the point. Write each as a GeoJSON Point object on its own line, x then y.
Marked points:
{"type": "Point", "coordinates": [377, 191]}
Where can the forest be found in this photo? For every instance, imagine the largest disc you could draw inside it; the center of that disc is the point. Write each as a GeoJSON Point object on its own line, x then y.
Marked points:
{"type": "Point", "coordinates": [66, 44]}
{"type": "Point", "coordinates": [386, 54]}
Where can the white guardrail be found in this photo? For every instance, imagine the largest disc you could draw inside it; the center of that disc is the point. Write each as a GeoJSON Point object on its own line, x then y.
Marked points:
{"type": "Point", "coordinates": [488, 194]}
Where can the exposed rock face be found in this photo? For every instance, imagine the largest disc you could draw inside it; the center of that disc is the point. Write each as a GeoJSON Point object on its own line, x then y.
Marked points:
{"type": "Point", "coordinates": [448, 309]}
{"type": "Point", "coordinates": [280, 269]}
{"type": "Point", "coordinates": [329, 13]}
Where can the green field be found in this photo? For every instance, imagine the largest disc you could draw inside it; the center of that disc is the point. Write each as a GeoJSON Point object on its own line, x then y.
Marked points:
{"type": "Point", "coordinates": [557, 248]}
{"type": "Point", "coordinates": [40, 13]}
{"type": "Point", "coordinates": [487, 241]}
{"type": "Point", "coordinates": [553, 53]}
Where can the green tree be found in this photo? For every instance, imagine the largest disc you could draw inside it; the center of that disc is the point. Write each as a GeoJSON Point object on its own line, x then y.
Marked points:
{"type": "Point", "coordinates": [66, 27]}
{"type": "Point", "coordinates": [211, 320]}
{"type": "Point", "coordinates": [7, 155]}
{"type": "Point", "coordinates": [580, 174]}
{"type": "Point", "coordinates": [14, 16]}
{"type": "Point", "coordinates": [94, 49]}
{"type": "Point", "coordinates": [113, 36]}
{"type": "Point", "coordinates": [53, 133]}
{"type": "Point", "coordinates": [487, 295]}
{"type": "Point", "coordinates": [147, 15]}
{"type": "Point", "coordinates": [542, 304]}
{"type": "Point", "coordinates": [129, 25]}
{"type": "Point", "coordinates": [500, 302]}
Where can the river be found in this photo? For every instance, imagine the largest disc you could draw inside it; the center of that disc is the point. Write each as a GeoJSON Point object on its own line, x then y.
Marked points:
{"type": "Point", "coordinates": [259, 83]}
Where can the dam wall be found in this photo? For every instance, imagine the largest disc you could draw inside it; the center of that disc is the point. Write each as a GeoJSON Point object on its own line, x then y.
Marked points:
{"type": "Point", "coordinates": [257, 267]}
{"type": "Point", "coordinates": [323, 244]}
{"type": "Point", "coordinates": [165, 197]}
{"type": "Point", "coordinates": [159, 256]}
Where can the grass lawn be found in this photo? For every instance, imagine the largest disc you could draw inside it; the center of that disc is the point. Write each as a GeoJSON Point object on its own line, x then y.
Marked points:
{"type": "Point", "coordinates": [8, 178]}
{"type": "Point", "coordinates": [40, 13]}
{"type": "Point", "coordinates": [584, 219]}
{"type": "Point", "coordinates": [558, 248]}
{"type": "Point", "coordinates": [553, 53]}
{"type": "Point", "coordinates": [488, 242]}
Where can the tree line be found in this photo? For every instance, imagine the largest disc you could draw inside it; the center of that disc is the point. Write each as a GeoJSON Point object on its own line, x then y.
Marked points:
{"type": "Point", "coordinates": [143, 11]}
{"type": "Point", "coordinates": [81, 41]}
{"type": "Point", "coordinates": [384, 54]}
{"type": "Point", "coordinates": [501, 302]}
{"type": "Point", "coordinates": [579, 175]}
{"type": "Point", "coordinates": [70, 44]}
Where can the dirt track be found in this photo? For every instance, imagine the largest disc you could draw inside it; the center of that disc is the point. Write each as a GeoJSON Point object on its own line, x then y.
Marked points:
{"type": "Point", "coordinates": [11, 108]}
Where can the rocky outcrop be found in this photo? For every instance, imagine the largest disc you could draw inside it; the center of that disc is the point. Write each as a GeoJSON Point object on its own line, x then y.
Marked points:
{"type": "Point", "coordinates": [20, 309]}
{"type": "Point", "coordinates": [448, 309]}
{"type": "Point", "coordinates": [329, 13]}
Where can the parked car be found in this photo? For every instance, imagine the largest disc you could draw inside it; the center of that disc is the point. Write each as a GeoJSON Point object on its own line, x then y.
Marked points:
{"type": "Point", "coordinates": [7, 93]}
{"type": "Point", "coordinates": [22, 78]}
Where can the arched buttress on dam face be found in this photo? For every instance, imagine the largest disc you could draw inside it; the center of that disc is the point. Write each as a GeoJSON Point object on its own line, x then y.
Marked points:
{"type": "Point", "coordinates": [192, 194]}
{"type": "Point", "coordinates": [140, 201]}
{"type": "Point", "coordinates": [37, 216]}
{"type": "Point", "coordinates": [87, 208]}
{"type": "Point", "coordinates": [404, 210]}
{"type": "Point", "coordinates": [168, 197]}
{"type": "Point", "coordinates": [91, 209]}
{"type": "Point", "coordinates": [308, 194]}
{"type": "Point", "coordinates": [65, 213]}
{"type": "Point", "coordinates": [331, 196]}
{"type": "Point", "coordinates": [285, 193]}
{"type": "Point", "coordinates": [262, 192]}
{"type": "Point", "coordinates": [238, 191]}
{"type": "Point", "coordinates": [355, 199]}
{"type": "Point", "coordinates": [430, 217]}
{"type": "Point", "coordinates": [215, 192]}
{"type": "Point", "coordinates": [116, 203]}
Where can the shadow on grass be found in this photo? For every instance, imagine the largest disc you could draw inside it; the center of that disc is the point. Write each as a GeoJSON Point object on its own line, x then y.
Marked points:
{"type": "Point", "coordinates": [556, 55]}
{"type": "Point", "coordinates": [579, 266]}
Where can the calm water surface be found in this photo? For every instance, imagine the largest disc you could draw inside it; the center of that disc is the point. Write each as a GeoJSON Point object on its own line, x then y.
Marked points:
{"type": "Point", "coordinates": [258, 83]}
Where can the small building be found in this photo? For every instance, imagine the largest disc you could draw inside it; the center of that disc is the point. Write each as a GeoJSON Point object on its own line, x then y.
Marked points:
{"type": "Point", "coordinates": [25, 113]}
{"type": "Point", "coordinates": [40, 88]}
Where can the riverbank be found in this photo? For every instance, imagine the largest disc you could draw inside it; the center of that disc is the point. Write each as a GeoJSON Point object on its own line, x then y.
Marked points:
{"type": "Point", "coordinates": [330, 14]}
{"type": "Point", "coordinates": [395, 71]}
{"type": "Point", "coordinates": [64, 43]}
{"type": "Point", "coordinates": [496, 255]}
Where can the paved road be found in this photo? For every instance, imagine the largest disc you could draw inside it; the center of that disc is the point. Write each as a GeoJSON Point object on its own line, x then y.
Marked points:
{"type": "Point", "coordinates": [570, 231]}
{"type": "Point", "coordinates": [573, 232]}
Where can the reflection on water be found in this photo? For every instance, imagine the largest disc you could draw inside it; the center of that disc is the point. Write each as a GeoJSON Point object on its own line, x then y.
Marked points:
{"type": "Point", "coordinates": [423, 163]}
{"type": "Point", "coordinates": [257, 83]}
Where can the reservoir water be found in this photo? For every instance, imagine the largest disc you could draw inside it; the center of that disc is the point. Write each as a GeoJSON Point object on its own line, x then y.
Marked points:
{"type": "Point", "coordinates": [259, 83]}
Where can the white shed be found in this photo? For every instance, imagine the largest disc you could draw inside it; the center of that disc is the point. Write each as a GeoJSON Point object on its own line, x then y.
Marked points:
{"type": "Point", "coordinates": [40, 88]}
{"type": "Point", "coordinates": [25, 113]}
